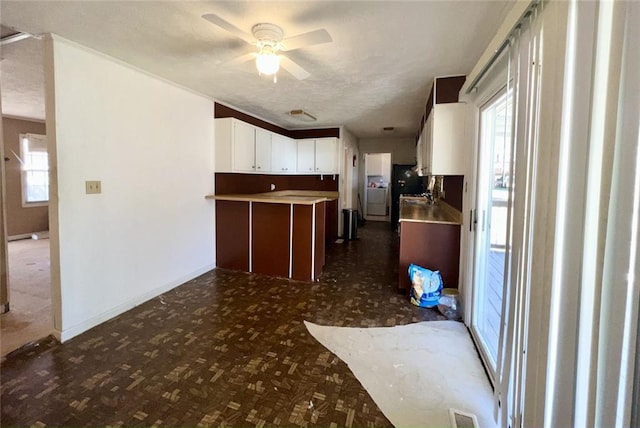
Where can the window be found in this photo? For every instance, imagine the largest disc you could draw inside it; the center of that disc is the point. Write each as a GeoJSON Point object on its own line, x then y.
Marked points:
{"type": "Point", "coordinates": [35, 170]}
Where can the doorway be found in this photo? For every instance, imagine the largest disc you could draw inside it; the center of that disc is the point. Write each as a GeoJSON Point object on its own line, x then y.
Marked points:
{"type": "Point", "coordinates": [377, 178]}
{"type": "Point", "coordinates": [492, 243]}
{"type": "Point", "coordinates": [25, 164]}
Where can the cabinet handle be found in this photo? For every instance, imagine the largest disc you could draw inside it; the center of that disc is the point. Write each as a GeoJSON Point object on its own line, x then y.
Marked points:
{"type": "Point", "coordinates": [258, 167]}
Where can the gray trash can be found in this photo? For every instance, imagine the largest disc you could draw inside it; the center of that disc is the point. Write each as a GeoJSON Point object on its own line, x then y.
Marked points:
{"type": "Point", "coordinates": [350, 224]}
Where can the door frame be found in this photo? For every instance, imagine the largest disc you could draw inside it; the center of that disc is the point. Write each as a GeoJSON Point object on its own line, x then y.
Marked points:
{"type": "Point", "coordinates": [482, 221]}
{"type": "Point", "coordinates": [4, 256]}
{"type": "Point", "coordinates": [494, 92]}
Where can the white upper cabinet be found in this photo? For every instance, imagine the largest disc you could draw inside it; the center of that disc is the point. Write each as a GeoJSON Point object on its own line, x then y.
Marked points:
{"type": "Point", "coordinates": [263, 151]}
{"type": "Point", "coordinates": [445, 140]}
{"type": "Point", "coordinates": [374, 165]}
{"type": "Point", "coordinates": [241, 147]}
{"type": "Point", "coordinates": [450, 143]}
{"type": "Point", "coordinates": [427, 145]}
{"type": "Point", "coordinates": [318, 156]}
{"type": "Point", "coordinates": [420, 153]}
{"type": "Point", "coordinates": [244, 141]}
{"type": "Point", "coordinates": [284, 153]}
{"type": "Point", "coordinates": [326, 151]}
{"type": "Point", "coordinates": [306, 156]}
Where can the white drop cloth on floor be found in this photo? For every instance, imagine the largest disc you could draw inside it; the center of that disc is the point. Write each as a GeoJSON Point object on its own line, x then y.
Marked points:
{"type": "Point", "coordinates": [415, 372]}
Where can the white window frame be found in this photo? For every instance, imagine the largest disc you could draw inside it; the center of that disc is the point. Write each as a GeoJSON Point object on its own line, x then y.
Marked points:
{"type": "Point", "coordinates": [25, 168]}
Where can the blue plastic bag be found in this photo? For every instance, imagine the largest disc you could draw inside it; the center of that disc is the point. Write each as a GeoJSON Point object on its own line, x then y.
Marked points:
{"type": "Point", "coordinates": [426, 288]}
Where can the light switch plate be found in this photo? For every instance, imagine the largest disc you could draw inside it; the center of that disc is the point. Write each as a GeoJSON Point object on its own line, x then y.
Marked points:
{"type": "Point", "coordinates": [93, 187]}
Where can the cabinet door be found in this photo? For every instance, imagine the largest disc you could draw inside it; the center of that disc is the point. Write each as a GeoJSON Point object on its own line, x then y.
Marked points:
{"type": "Point", "coordinates": [243, 147]}
{"type": "Point", "coordinates": [283, 154]}
{"type": "Point", "coordinates": [427, 146]}
{"type": "Point", "coordinates": [420, 153]}
{"type": "Point", "coordinates": [326, 154]}
{"type": "Point", "coordinates": [224, 144]}
{"type": "Point", "coordinates": [450, 141]}
{"type": "Point", "coordinates": [306, 156]}
{"type": "Point", "coordinates": [263, 151]}
{"type": "Point", "coordinates": [374, 164]}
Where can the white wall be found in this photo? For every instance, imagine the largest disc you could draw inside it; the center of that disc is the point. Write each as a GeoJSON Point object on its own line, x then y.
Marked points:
{"type": "Point", "coordinates": [151, 145]}
{"type": "Point", "coordinates": [403, 150]}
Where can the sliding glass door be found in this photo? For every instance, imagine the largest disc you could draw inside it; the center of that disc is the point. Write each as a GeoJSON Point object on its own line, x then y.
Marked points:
{"type": "Point", "coordinates": [494, 172]}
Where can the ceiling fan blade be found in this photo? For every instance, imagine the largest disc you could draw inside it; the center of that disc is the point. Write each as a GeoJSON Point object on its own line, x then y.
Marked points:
{"type": "Point", "coordinates": [307, 39]}
{"type": "Point", "coordinates": [293, 68]}
{"type": "Point", "coordinates": [241, 59]}
{"type": "Point", "coordinates": [216, 20]}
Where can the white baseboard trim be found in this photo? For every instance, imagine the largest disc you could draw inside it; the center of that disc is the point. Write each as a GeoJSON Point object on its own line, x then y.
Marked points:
{"type": "Point", "coordinates": [25, 235]}
{"type": "Point", "coordinates": [19, 237]}
{"type": "Point", "coordinates": [77, 329]}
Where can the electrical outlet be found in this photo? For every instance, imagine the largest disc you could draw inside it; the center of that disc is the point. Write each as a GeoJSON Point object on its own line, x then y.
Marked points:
{"type": "Point", "coordinates": [93, 187]}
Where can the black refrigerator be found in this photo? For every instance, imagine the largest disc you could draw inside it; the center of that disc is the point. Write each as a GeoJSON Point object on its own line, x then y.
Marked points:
{"type": "Point", "coordinates": [404, 181]}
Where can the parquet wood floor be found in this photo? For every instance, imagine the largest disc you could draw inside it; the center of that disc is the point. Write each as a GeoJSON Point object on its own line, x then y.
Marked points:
{"type": "Point", "coordinates": [225, 349]}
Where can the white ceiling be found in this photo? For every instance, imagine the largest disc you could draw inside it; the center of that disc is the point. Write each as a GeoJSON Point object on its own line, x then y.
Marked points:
{"type": "Point", "coordinates": [375, 73]}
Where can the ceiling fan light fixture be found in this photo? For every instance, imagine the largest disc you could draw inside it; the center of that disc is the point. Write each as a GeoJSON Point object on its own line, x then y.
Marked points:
{"type": "Point", "coordinates": [267, 62]}
{"type": "Point", "coordinates": [302, 115]}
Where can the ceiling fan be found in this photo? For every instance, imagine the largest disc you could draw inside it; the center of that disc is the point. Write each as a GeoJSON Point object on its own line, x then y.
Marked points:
{"type": "Point", "coordinates": [268, 39]}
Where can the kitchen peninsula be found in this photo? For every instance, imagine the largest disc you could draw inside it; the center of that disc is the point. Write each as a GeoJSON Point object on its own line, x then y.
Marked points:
{"type": "Point", "coordinates": [429, 237]}
{"type": "Point", "coordinates": [278, 234]}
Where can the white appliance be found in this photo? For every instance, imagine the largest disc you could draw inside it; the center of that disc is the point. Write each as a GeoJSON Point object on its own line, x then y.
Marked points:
{"type": "Point", "coordinates": [377, 201]}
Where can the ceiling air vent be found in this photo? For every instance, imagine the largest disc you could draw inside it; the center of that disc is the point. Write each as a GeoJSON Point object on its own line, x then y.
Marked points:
{"type": "Point", "coordinates": [388, 130]}
{"type": "Point", "coordinates": [302, 115]}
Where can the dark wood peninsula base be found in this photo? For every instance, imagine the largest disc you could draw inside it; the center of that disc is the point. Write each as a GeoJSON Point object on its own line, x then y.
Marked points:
{"type": "Point", "coordinates": [279, 235]}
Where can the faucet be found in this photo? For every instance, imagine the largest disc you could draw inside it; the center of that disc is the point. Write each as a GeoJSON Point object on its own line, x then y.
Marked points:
{"type": "Point", "coordinates": [429, 197]}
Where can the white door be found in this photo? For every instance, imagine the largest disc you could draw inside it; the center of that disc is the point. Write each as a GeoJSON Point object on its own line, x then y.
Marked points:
{"type": "Point", "coordinates": [283, 154]}
{"type": "Point", "coordinates": [263, 151]}
{"type": "Point", "coordinates": [306, 155]}
{"type": "Point", "coordinates": [449, 146]}
{"type": "Point", "coordinates": [243, 147]}
{"type": "Point", "coordinates": [326, 155]}
{"type": "Point", "coordinates": [492, 214]}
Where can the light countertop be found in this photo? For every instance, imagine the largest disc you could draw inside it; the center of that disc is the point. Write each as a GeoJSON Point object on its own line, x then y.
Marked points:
{"type": "Point", "coordinates": [301, 197]}
{"type": "Point", "coordinates": [417, 210]}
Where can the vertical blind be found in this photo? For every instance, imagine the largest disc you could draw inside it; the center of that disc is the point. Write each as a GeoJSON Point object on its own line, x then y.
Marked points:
{"type": "Point", "coordinates": [569, 337]}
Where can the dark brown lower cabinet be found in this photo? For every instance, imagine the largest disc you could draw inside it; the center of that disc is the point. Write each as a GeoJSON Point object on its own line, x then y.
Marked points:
{"type": "Point", "coordinates": [232, 235]}
{"type": "Point", "coordinates": [320, 235]}
{"type": "Point", "coordinates": [282, 240]}
{"type": "Point", "coordinates": [331, 222]}
{"type": "Point", "coordinates": [270, 239]}
{"type": "Point", "coordinates": [435, 246]}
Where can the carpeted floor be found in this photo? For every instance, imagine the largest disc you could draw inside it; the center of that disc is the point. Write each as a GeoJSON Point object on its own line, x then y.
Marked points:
{"type": "Point", "coordinates": [29, 318]}
{"type": "Point", "coordinates": [226, 349]}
